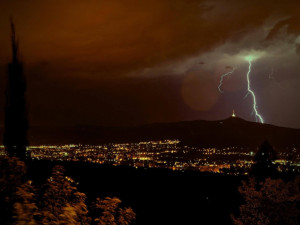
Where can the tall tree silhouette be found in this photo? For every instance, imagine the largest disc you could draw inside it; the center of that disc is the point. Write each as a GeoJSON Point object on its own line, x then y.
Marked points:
{"type": "Point", "coordinates": [264, 162]}
{"type": "Point", "coordinates": [16, 124]}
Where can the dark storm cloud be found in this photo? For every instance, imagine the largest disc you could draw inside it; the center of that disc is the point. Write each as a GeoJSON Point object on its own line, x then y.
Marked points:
{"type": "Point", "coordinates": [102, 36]}
{"type": "Point", "coordinates": [127, 62]}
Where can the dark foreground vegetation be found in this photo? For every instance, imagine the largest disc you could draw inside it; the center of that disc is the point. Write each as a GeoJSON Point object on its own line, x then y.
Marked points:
{"type": "Point", "coordinates": [53, 200]}
{"type": "Point", "coordinates": [157, 196]}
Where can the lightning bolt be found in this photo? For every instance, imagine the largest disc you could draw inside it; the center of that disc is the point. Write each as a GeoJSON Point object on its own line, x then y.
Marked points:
{"type": "Point", "coordinates": [222, 77]}
{"type": "Point", "coordinates": [257, 115]}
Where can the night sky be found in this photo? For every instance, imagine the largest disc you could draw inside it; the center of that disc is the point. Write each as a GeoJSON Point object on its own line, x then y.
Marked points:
{"type": "Point", "coordinates": [132, 62]}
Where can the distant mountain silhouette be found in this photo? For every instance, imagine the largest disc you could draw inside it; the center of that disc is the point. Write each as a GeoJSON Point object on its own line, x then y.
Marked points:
{"type": "Point", "coordinates": [233, 131]}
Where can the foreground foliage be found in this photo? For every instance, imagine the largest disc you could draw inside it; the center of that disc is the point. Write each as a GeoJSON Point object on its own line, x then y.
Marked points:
{"type": "Point", "coordinates": [272, 201]}
{"type": "Point", "coordinates": [58, 201]}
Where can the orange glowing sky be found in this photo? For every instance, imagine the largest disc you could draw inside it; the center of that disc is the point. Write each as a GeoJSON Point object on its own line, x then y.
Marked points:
{"type": "Point", "coordinates": [129, 62]}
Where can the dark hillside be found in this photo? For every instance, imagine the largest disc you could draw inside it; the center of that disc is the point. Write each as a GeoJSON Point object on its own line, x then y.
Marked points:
{"type": "Point", "coordinates": [222, 133]}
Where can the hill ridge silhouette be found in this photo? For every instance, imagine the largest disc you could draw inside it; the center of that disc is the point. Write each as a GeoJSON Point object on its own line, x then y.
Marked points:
{"type": "Point", "coordinates": [232, 131]}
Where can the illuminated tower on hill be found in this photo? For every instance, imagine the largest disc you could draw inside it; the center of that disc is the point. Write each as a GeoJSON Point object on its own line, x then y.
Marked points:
{"type": "Point", "coordinates": [16, 124]}
{"type": "Point", "coordinates": [233, 114]}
